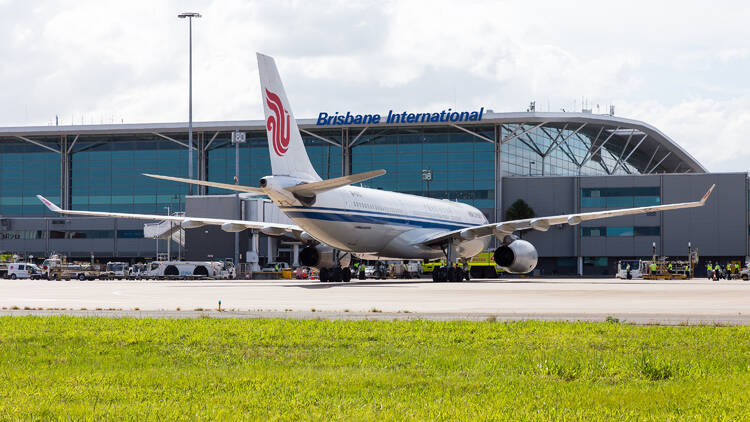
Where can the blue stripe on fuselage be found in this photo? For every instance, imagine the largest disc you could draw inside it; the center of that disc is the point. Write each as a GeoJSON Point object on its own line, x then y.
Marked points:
{"type": "Point", "coordinates": [379, 220]}
{"type": "Point", "coordinates": [287, 210]}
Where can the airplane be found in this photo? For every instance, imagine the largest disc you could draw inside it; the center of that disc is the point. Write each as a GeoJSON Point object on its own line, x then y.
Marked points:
{"type": "Point", "coordinates": [336, 219]}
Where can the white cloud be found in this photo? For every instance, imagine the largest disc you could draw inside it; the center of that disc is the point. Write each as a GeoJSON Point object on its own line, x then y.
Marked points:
{"type": "Point", "coordinates": [677, 66]}
{"type": "Point", "coordinates": [714, 132]}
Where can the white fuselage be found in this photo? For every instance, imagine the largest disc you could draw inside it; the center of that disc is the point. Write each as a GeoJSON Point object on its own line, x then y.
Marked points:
{"type": "Point", "coordinates": [371, 222]}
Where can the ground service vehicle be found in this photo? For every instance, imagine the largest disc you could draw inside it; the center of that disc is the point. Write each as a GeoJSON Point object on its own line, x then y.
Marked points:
{"type": "Point", "coordinates": [191, 270]}
{"type": "Point", "coordinates": [138, 272]}
{"type": "Point", "coordinates": [635, 269]}
{"type": "Point", "coordinates": [57, 268]}
{"type": "Point", "coordinates": [271, 266]}
{"type": "Point", "coordinates": [22, 270]}
{"type": "Point", "coordinates": [5, 260]}
{"type": "Point", "coordinates": [336, 219]}
{"type": "Point", "coordinates": [116, 270]}
{"type": "Point", "coordinates": [481, 265]}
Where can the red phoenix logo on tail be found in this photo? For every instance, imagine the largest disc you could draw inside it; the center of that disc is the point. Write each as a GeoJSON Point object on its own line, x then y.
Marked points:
{"type": "Point", "coordinates": [276, 123]}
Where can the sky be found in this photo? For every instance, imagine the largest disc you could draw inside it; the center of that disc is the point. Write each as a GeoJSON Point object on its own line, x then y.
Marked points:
{"type": "Point", "coordinates": [682, 66]}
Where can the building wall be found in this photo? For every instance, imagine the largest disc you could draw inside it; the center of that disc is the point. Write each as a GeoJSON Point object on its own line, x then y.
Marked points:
{"type": "Point", "coordinates": [719, 229]}
{"type": "Point", "coordinates": [76, 237]}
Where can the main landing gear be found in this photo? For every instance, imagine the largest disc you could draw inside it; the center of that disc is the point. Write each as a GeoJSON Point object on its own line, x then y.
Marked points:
{"type": "Point", "coordinates": [335, 275]}
{"type": "Point", "coordinates": [452, 273]}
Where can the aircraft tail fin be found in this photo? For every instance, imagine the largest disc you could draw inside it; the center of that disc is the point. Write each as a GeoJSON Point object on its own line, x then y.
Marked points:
{"type": "Point", "coordinates": [285, 146]}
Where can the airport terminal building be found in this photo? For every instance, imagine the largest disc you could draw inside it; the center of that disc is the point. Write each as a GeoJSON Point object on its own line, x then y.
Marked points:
{"type": "Point", "coordinates": [557, 162]}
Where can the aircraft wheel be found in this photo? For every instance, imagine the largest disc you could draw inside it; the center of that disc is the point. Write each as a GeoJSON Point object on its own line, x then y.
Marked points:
{"type": "Point", "coordinates": [346, 275]}
{"type": "Point", "coordinates": [335, 274]}
{"type": "Point", "coordinates": [453, 275]}
{"type": "Point", "coordinates": [324, 275]}
{"type": "Point", "coordinates": [440, 274]}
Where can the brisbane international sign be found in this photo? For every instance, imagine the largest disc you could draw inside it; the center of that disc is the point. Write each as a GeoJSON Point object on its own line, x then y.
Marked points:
{"type": "Point", "coordinates": [336, 119]}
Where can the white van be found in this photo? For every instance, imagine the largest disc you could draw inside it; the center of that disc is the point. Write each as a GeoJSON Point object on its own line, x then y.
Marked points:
{"type": "Point", "coordinates": [23, 270]}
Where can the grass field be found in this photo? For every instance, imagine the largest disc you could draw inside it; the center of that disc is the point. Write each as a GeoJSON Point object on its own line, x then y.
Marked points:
{"type": "Point", "coordinates": [160, 369]}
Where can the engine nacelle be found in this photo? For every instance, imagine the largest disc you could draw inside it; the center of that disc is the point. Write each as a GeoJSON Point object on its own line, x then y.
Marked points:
{"type": "Point", "coordinates": [322, 256]}
{"type": "Point", "coordinates": [517, 257]}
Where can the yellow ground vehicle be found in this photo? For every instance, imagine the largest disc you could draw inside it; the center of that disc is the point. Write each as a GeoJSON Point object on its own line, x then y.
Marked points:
{"type": "Point", "coordinates": [680, 270]}
{"type": "Point", "coordinates": [480, 266]}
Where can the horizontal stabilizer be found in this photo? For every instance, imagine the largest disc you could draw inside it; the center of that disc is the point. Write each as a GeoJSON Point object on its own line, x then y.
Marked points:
{"type": "Point", "coordinates": [228, 186]}
{"type": "Point", "coordinates": [309, 189]}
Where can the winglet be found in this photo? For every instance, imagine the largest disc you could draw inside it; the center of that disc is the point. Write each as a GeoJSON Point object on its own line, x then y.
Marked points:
{"type": "Point", "coordinates": [52, 207]}
{"type": "Point", "coordinates": [708, 193]}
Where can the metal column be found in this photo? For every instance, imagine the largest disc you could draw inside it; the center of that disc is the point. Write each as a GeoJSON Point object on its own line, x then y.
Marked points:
{"type": "Point", "coordinates": [64, 171]}
{"type": "Point", "coordinates": [577, 227]}
{"type": "Point", "coordinates": [346, 153]}
{"type": "Point", "coordinates": [498, 173]}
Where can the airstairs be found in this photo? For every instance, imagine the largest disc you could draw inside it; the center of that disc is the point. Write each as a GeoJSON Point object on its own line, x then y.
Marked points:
{"type": "Point", "coordinates": [165, 230]}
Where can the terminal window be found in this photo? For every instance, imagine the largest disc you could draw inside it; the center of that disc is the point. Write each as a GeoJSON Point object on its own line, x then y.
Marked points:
{"type": "Point", "coordinates": [620, 231]}
{"type": "Point", "coordinates": [620, 197]}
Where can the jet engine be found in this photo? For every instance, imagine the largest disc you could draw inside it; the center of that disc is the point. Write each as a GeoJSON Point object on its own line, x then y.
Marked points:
{"type": "Point", "coordinates": [321, 256]}
{"type": "Point", "coordinates": [517, 257]}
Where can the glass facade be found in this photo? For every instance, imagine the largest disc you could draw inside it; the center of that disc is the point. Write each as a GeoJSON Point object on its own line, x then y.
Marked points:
{"type": "Point", "coordinates": [106, 174]}
{"type": "Point", "coordinates": [105, 170]}
{"type": "Point", "coordinates": [255, 162]}
{"type": "Point", "coordinates": [70, 234]}
{"type": "Point", "coordinates": [620, 197]}
{"type": "Point", "coordinates": [557, 150]}
{"type": "Point", "coordinates": [620, 231]}
{"type": "Point", "coordinates": [27, 170]}
{"type": "Point", "coordinates": [462, 165]}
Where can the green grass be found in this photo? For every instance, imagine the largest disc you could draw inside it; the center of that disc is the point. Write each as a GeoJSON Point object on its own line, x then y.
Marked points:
{"type": "Point", "coordinates": [161, 369]}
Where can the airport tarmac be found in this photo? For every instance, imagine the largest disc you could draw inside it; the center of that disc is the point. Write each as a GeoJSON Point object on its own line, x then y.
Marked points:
{"type": "Point", "coordinates": [638, 301]}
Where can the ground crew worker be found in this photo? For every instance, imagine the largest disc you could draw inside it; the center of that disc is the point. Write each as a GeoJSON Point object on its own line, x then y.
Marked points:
{"type": "Point", "coordinates": [669, 268]}
{"type": "Point", "coordinates": [737, 269]}
{"type": "Point", "coordinates": [729, 271]}
{"type": "Point", "coordinates": [652, 267]}
{"type": "Point", "coordinates": [627, 269]}
{"type": "Point", "coordinates": [276, 267]}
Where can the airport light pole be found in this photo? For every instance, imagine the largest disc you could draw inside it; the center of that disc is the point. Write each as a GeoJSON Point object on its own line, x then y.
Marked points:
{"type": "Point", "coordinates": [190, 16]}
{"type": "Point", "coordinates": [169, 239]}
{"type": "Point", "coordinates": [237, 139]}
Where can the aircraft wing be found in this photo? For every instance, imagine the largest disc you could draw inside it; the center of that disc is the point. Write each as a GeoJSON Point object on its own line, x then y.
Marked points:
{"type": "Point", "coordinates": [543, 223]}
{"type": "Point", "coordinates": [274, 229]}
